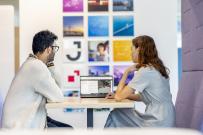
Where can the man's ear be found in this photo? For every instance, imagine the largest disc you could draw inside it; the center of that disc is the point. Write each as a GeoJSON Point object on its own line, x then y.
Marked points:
{"type": "Point", "coordinates": [48, 50]}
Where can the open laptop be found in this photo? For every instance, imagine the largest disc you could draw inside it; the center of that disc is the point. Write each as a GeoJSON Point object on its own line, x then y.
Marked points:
{"type": "Point", "coordinates": [95, 86]}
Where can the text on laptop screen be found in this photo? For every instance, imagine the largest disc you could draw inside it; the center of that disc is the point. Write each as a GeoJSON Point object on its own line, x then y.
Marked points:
{"type": "Point", "coordinates": [95, 85]}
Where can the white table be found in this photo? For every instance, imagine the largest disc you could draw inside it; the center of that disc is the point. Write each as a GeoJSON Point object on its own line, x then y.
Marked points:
{"type": "Point", "coordinates": [90, 104]}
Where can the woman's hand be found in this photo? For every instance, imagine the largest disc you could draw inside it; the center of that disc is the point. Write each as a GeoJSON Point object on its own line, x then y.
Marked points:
{"type": "Point", "coordinates": [110, 95]}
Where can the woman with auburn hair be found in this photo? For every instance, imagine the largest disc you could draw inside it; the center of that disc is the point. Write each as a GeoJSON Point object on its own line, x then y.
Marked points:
{"type": "Point", "coordinates": [150, 85]}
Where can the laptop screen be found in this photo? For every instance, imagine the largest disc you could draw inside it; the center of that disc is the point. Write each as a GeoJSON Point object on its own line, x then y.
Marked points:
{"type": "Point", "coordinates": [95, 85]}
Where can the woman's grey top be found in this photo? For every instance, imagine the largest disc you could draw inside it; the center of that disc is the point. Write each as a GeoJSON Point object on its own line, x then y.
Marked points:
{"type": "Point", "coordinates": [154, 90]}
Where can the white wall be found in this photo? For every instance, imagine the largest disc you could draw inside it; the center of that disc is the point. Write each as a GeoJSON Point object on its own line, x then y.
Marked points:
{"type": "Point", "coordinates": [37, 15]}
{"type": "Point", "coordinates": [156, 18]}
{"type": "Point", "coordinates": [6, 48]}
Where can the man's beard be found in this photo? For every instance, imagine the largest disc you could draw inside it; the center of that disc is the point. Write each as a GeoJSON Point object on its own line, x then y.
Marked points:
{"type": "Point", "coordinates": [50, 58]}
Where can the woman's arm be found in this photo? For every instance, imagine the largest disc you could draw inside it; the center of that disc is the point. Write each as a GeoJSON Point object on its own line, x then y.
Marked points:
{"type": "Point", "coordinates": [132, 96]}
{"type": "Point", "coordinates": [124, 91]}
{"type": "Point", "coordinates": [121, 84]}
{"type": "Point", "coordinates": [135, 97]}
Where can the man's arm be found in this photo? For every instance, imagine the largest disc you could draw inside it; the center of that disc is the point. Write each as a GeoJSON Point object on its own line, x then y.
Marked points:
{"type": "Point", "coordinates": [46, 85]}
{"type": "Point", "coordinates": [55, 74]}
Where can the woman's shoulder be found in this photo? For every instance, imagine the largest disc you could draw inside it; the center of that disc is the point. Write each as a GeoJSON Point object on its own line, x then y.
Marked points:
{"type": "Point", "coordinates": [147, 69]}
{"type": "Point", "coordinates": [151, 72]}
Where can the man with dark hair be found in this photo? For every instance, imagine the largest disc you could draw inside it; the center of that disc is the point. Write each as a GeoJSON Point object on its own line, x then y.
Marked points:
{"type": "Point", "coordinates": [36, 81]}
{"type": "Point", "coordinates": [43, 46]}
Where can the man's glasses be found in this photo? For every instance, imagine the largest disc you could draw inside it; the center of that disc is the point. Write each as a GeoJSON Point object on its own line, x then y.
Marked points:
{"type": "Point", "coordinates": [55, 48]}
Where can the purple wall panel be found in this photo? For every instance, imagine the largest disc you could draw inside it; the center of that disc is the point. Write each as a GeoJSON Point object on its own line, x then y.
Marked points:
{"type": "Point", "coordinates": [189, 103]}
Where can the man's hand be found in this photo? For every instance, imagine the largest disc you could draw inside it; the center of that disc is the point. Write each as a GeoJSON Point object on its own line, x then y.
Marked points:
{"type": "Point", "coordinates": [110, 95]}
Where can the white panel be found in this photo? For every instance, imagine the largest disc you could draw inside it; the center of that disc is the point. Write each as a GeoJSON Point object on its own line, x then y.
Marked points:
{"type": "Point", "coordinates": [7, 66]}
{"type": "Point", "coordinates": [15, 4]}
{"type": "Point", "coordinates": [157, 18]}
{"type": "Point", "coordinates": [37, 15]}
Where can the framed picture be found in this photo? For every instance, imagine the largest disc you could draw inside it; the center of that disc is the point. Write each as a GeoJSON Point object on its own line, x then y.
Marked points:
{"type": "Point", "coordinates": [98, 70]}
{"type": "Point", "coordinates": [74, 50]}
{"type": "Point", "coordinates": [73, 26]}
{"type": "Point", "coordinates": [72, 73]}
{"type": "Point", "coordinates": [98, 51]}
{"type": "Point", "coordinates": [123, 26]}
{"type": "Point", "coordinates": [122, 50]}
{"type": "Point", "coordinates": [98, 26]}
{"type": "Point", "coordinates": [118, 71]}
{"type": "Point", "coordinates": [71, 93]}
{"type": "Point", "coordinates": [123, 5]}
{"type": "Point", "coordinates": [72, 6]}
{"type": "Point", "coordinates": [98, 5]}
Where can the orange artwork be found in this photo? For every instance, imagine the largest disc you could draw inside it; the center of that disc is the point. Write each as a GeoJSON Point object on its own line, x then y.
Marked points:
{"type": "Point", "coordinates": [122, 50]}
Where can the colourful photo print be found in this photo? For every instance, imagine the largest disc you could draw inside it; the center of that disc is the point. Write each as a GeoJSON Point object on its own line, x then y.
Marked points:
{"type": "Point", "coordinates": [72, 73]}
{"type": "Point", "coordinates": [98, 5]}
{"type": "Point", "coordinates": [123, 26]}
{"type": "Point", "coordinates": [71, 93]}
{"type": "Point", "coordinates": [98, 70]}
{"type": "Point", "coordinates": [71, 110]}
{"type": "Point", "coordinates": [122, 50]}
{"type": "Point", "coordinates": [118, 73]}
{"type": "Point", "coordinates": [74, 50]}
{"type": "Point", "coordinates": [101, 109]}
{"type": "Point", "coordinates": [98, 26]}
{"type": "Point", "coordinates": [98, 51]}
{"type": "Point", "coordinates": [123, 5]}
{"type": "Point", "coordinates": [73, 26]}
{"type": "Point", "coordinates": [72, 5]}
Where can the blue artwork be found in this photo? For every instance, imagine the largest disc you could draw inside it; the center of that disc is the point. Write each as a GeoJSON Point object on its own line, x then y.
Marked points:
{"type": "Point", "coordinates": [66, 110]}
{"type": "Point", "coordinates": [98, 70]}
{"type": "Point", "coordinates": [123, 26]}
{"type": "Point", "coordinates": [118, 73]}
{"type": "Point", "coordinates": [71, 93]}
{"type": "Point", "coordinates": [73, 26]}
{"type": "Point", "coordinates": [123, 5]}
{"type": "Point", "coordinates": [98, 26]}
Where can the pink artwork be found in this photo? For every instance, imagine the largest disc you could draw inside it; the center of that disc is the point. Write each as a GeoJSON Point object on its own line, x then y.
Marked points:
{"type": "Point", "coordinates": [72, 73]}
{"type": "Point", "coordinates": [72, 5]}
{"type": "Point", "coordinates": [71, 78]}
